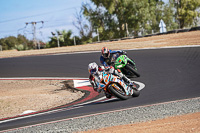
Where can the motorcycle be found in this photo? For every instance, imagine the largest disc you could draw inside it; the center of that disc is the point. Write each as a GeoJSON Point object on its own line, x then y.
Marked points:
{"type": "Point", "coordinates": [117, 87]}
{"type": "Point", "coordinates": [126, 65]}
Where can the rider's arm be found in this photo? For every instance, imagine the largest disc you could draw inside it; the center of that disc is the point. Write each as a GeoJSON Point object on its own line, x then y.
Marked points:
{"type": "Point", "coordinates": [99, 86]}
{"type": "Point", "coordinates": [120, 74]}
{"type": "Point", "coordinates": [92, 82]}
{"type": "Point", "coordinates": [101, 68]}
{"type": "Point", "coordinates": [121, 52]}
{"type": "Point", "coordinates": [102, 60]}
{"type": "Point", "coordinates": [96, 83]}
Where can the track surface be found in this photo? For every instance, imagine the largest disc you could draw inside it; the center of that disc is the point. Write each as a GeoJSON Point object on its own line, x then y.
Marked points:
{"type": "Point", "coordinates": [169, 74]}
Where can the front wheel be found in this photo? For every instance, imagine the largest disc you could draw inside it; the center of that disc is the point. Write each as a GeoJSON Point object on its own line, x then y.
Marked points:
{"type": "Point", "coordinates": [118, 92]}
{"type": "Point", "coordinates": [132, 70]}
{"type": "Point", "coordinates": [136, 93]}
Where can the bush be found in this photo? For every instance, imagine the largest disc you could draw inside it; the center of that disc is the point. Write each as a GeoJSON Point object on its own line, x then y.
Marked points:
{"type": "Point", "coordinates": [21, 47]}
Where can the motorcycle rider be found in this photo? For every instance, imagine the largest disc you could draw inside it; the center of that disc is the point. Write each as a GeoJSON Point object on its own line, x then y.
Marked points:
{"type": "Point", "coordinates": [107, 55]}
{"type": "Point", "coordinates": [95, 77]}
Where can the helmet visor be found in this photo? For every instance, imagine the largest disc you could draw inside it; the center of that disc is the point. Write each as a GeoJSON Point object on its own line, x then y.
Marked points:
{"type": "Point", "coordinates": [92, 71]}
{"type": "Point", "coordinates": [105, 55]}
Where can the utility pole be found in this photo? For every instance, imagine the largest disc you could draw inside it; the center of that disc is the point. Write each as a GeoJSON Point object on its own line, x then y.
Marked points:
{"type": "Point", "coordinates": [34, 32]}
{"type": "Point", "coordinates": [74, 40]}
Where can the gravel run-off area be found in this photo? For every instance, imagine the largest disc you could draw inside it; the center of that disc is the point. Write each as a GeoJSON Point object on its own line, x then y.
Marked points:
{"type": "Point", "coordinates": [134, 117]}
{"type": "Point", "coordinates": [18, 96]}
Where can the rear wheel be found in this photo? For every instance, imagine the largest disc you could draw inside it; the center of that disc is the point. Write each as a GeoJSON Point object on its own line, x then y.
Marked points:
{"type": "Point", "coordinates": [118, 92]}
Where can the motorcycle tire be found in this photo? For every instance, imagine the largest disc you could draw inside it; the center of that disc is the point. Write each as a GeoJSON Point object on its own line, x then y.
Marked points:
{"type": "Point", "coordinates": [136, 93]}
{"type": "Point", "coordinates": [132, 70]}
{"type": "Point", "coordinates": [118, 93]}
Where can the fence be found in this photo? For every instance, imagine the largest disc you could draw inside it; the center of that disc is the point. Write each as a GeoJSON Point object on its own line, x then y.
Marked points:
{"type": "Point", "coordinates": [156, 34]}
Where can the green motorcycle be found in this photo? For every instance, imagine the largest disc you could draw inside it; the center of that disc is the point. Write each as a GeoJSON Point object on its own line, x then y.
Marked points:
{"type": "Point", "coordinates": [126, 65]}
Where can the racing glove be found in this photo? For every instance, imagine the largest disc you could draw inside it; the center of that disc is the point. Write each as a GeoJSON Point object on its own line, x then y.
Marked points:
{"type": "Point", "coordinates": [124, 52]}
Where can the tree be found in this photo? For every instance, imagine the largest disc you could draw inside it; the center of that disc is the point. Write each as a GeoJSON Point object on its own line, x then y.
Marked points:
{"type": "Point", "coordinates": [140, 15]}
{"type": "Point", "coordinates": [3, 44]}
{"type": "Point", "coordinates": [115, 10]}
{"type": "Point", "coordinates": [24, 42]}
{"type": "Point", "coordinates": [187, 12]}
{"type": "Point", "coordinates": [20, 43]}
{"type": "Point", "coordinates": [85, 27]}
{"type": "Point", "coordinates": [118, 15]}
{"type": "Point", "coordinates": [159, 10]}
{"type": "Point", "coordinates": [169, 16]}
{"type": "Point", "coordinates": [64, 39]}
{"type": "Point", "coordinates": [116, 18]}
{"type": "Point", "coordinates": [102, 21]}
{"type": "Point", "coordinates": [11, 42]}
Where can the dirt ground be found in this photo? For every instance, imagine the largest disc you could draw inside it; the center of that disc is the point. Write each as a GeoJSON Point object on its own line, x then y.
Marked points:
{"type": "Point", "coordinates": [187, 38]}
{"type": "Point", "coordinates": [189, 123]}
{"type": "Point", "coordinates": [18, 96]}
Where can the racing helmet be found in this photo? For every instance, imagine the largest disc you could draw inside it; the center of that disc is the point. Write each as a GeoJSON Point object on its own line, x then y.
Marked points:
{"type": "Point", "coordinates": [105, 52]}
{"type": "Point", "coordinates": [93, 68]}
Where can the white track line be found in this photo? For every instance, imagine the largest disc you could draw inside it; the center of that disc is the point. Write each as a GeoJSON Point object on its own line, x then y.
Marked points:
{"type": "Point", "coordinates": [44, 78]}
{"type": "Point", "coordinates": [52, 111]}
{"type": "Point", "coordinates": [101, 113]}
{"type": "Point", "coordinates": [77, 83]}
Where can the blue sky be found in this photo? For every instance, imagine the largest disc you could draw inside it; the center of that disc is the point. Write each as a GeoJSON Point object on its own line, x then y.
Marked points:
{"type": "Point", "coordinates": [56, 14]}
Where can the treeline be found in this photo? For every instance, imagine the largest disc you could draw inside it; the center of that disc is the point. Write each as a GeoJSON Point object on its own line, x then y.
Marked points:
{"type": "Point", "coordinates": [121, 18]}
{"type": "Point", "coordinates": [109, 19]}
{"type": "Point", "coordinates": [20, 43]}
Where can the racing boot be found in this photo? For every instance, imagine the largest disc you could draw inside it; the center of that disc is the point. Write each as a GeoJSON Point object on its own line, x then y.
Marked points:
{"type": "Point", "coordinates": [128, 81]}
{"type": "Point", "coordinates": [108, 95]}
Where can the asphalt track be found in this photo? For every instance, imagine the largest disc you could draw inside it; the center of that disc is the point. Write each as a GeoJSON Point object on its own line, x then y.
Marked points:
{"type": "Point", "coordinates": [168, 74]}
